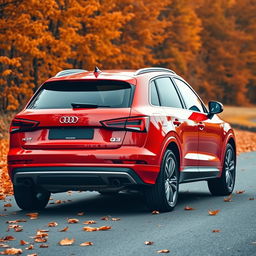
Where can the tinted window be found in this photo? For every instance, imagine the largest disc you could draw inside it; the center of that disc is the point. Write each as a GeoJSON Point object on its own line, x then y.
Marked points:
{"type": "Point", "coordinates": [167, 93]}
{"type": "Point", "coordinates": [190, 98]}
{"type": "Point", "coordinates": [154, 95]}
{"type": "Point", "coordinates": [61, 94]}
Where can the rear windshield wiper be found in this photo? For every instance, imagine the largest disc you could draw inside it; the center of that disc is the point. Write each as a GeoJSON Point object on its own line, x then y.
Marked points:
{"type": "Point", "coordinates": [87, 105]}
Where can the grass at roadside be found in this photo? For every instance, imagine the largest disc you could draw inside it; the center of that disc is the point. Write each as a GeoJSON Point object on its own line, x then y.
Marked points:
{"type": "Point", "coordinates": [243, 116]}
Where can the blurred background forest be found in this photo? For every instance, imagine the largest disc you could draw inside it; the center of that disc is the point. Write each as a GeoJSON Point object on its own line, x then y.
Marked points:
{"type": "Point", "coordinates": [210, 43]}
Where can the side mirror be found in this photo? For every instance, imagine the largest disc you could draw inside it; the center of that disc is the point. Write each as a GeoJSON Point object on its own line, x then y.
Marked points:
{"type": "Point", "coordinates": [215, 107]}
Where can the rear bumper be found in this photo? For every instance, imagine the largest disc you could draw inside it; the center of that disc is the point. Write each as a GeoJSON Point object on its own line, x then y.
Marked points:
{"type": "Point", "coordinates": [140, 161]}
{"type": "Point", "coordinates": [57, 179]}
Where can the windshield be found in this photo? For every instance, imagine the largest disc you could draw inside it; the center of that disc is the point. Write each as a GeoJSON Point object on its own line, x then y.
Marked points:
{"type": "Point", "coordinates": [62, 94]}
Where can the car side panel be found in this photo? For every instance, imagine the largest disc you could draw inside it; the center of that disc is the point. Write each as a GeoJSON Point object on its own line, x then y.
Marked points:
{"type": "Point", "coordinates": [211, 142]}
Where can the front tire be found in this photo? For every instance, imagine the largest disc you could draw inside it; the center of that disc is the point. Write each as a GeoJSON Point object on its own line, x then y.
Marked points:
{"type": "Point", "coordinates": [224, 185]}
{"type": "Point", "coordinates": [163, 195]}
{"type": "Point", "coordinates": [30, 197]}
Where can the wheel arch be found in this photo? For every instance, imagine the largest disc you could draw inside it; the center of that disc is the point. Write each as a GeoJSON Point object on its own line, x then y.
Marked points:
{"type": "Point", "coordinates": [173, 144]}
{"type": "Point", "coordinates": [232, 142]}
{"type": "Point", "coordinates": [230, 139]}
{"type": "Point", "coordinates": [175, 149]}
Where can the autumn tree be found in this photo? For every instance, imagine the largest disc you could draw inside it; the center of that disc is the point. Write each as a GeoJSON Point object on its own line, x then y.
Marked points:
{"type": "Point", "coordinates": [225, 63]}
{"type": "Point", "coordinates": [246, 21]}
{"type": "Point", "coordinates": [181, 36]}
{"type": "Point", "coordinates": [40, 38]}
{"type": "Point", "coordinates": [141, 34]}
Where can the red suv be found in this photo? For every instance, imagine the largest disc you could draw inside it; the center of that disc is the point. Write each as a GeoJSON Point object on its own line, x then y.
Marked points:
{"type": "Point", "coordinates": [112, 130]}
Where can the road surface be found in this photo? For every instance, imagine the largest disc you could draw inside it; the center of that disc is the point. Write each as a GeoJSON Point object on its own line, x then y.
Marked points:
{"type": "Point", "coordinates": [181, 232]}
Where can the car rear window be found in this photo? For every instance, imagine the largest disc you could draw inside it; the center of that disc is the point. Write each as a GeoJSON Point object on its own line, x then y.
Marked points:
{"type": "Point", "coordinates": [61, 94]}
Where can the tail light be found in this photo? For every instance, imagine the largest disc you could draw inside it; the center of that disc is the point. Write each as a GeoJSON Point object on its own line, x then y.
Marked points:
{"type": "Point", "coordinates": [21, 125]}
{"type": "Point", "coordinates": [139, 124]}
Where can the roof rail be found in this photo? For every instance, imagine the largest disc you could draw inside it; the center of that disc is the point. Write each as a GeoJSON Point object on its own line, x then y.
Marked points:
{"type": "Point", "coordinates": [152, 69]}
{"type": "Point", "coordinates": [67, 72]}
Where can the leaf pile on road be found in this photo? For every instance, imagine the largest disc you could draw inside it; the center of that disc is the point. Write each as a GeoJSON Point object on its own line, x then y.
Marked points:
{"type": "Point", "coordinates": [40, 239]}
{"type": "Point", "coordinates": [246, 141]}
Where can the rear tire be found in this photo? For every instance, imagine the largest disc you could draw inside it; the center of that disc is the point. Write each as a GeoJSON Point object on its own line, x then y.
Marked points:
{"type": "Point", "coordinates": [30, 197]}
{"type": "Point", "coordinates": [163, 195]}
{"type": "Point", "coordinates": [224, 185]}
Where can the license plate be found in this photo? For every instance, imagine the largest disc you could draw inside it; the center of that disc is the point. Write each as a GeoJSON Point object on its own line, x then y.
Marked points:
{"type": "Point", "coordinates": [70, 134]}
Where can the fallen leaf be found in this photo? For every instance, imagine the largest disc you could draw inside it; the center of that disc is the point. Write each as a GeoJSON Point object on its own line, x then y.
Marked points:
{"type": "Point", "coordinates": [213, 213]}
{"type": "Point", "coordinates": [33, 215]}
{"type": "Point", "coordinates": [18, 229]}
{"type": "Point", "coordinates": [240, 191]}
{"type": "Point", "coordinates": [40, 240]}
{"type": "Point", "coordinates": [228, 199]}
{"type": "Point", "coordinates": [40, 234]}
{"type": "Point", "coordinates": [89, 229]}
{"type": "Point", "coordinates": [115, 219]}
{"type": "Point", "coordinates": [4, 246]}
{"type": "Point", "coordinates": [8, 238]}
{"type": "Point", "coordinates": [88, 222]}
{"type": "Point", "coordinates": [14, 226]}
{"type": "Point", "coordinates": [64, 229]}
{"type": "Point", "coordinates": [2, 197]}
{"type": "Point", "coordinates": [58, 202]}
{"type": "Point", "coordinates": [163, 251]}
{"type": "Point", "coordinates": [215, 231]}
{"type": "Point", "coordinates": [86, 244]}
{"type": "Point", "coordinates": [52, 224]}
{"type": "Point", "coordinates": [33, 254]}
{"type": "Point", "coordinates": [72, 221]}
{"type": "Point", "coordinates": [11, 251]}
{"type": "Point", "coordinates": [155, 212]}
{"type": "Point", "coordinates": [30, 247]}
{"type": "Point", "coordinates": [8, 205]}
{"type": "Point", "coordinates": [44, 246]}
{"type": "Point", "coordinates": [42, 231]}
{"type": "Point", "coordinates": [103, 228]}
{"type": "Point", "coordinates": [148, 242]}
{"type": "Point", "coordinates": [80, 214]}
{"type": "Point", "coordinates": [188, 208]}
{"type": "Point", "coordinates": [66, 241]}
{"type": "Point", "coordinates": [23, 242]}
{"type": "Point", "coordinates": [105, 218]}
{"type": "Point", "coordinates": [251, 198]}
{"type": "Point", "coordinates": [15, 221]}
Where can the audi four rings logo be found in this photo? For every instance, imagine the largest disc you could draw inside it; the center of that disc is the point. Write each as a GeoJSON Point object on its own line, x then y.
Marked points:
{"type": "Point", "coordinates": [69, 119]}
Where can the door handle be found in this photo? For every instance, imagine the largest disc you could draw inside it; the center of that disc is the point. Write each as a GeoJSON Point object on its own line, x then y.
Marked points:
{"type": "Point", "coordinates": [176, 122]}
{"type": "Point", "coordinates": [201, 126]}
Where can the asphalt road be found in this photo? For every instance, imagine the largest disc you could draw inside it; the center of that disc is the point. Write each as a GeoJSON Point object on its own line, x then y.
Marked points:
{"type": "Point", "coordinates": [182, 232]}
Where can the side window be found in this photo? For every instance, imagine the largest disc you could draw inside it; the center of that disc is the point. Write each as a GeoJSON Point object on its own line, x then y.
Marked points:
{"type": "Point", "coordinates": [190, 98]}
{"type": "Point", "coordinates": [154, 95]}
{"type": "Point", "coordinates": [168, 95]}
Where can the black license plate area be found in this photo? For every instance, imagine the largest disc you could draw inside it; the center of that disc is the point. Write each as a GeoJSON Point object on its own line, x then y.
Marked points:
{"type": "Point", "coordinates": [70, 134]}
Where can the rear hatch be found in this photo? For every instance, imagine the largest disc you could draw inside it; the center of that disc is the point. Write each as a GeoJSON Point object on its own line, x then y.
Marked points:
{"type": "Point", "coordinates": [71, 115]}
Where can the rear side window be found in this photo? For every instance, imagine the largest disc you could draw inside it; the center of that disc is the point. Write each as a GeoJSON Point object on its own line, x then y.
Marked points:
{"type": "Point", "coordinates": [154, 95]}
{"type": "Point", "coordinates": [167, 93]}
{"type": "Point", "coordinates": [61, 94]}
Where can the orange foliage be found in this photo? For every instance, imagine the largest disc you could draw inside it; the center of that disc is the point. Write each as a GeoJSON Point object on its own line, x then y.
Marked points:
{"type": "Point", "coordinates": [212, 43]}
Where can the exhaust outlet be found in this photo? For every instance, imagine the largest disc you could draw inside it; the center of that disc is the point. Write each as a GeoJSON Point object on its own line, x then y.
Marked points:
{"type": "Point", "coordinates": [116, 182]}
